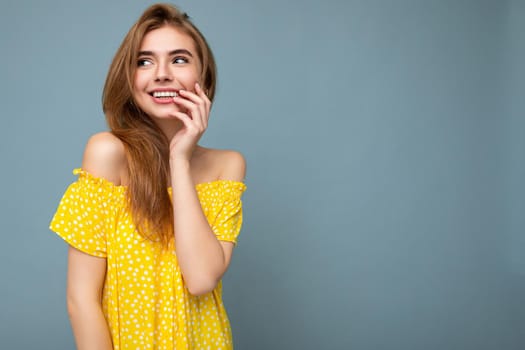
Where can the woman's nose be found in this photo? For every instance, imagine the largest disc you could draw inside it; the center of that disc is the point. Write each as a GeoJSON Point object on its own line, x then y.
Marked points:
{"type": "Point", "coordinates": [163, 73]}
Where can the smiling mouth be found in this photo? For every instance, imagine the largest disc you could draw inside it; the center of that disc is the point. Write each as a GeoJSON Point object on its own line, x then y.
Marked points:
{"type": "Point", "coordinates": [164, 94]}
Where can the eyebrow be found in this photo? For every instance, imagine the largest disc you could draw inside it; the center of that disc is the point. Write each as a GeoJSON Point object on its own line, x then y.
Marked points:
{"type": "Point", "coordinates": [171, 53]}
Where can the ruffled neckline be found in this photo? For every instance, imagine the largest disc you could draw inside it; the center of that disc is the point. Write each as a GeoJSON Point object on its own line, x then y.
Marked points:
{"type": "Point", "coordinates": [241, 186]}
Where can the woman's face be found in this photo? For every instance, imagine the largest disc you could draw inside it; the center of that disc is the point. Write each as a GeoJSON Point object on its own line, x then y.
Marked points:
{"type": "Point", "coordinates": [167, 62]}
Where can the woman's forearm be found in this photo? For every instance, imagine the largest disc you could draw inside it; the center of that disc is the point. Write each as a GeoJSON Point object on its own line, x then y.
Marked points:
{"type": "Point", "coordinates": [90, 328]}
{"type": "Point", "coordinates": [199, 252]}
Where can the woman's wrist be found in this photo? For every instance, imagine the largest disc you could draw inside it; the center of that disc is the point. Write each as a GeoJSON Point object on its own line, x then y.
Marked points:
{"type": "Point", "coordinates": [179, 160]}
{"type": "Point", "coordinates": [179, 166]}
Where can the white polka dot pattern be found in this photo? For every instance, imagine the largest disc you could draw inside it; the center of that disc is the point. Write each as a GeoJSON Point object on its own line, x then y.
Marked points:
{"type": "Point", "coordinates": [145, 301]}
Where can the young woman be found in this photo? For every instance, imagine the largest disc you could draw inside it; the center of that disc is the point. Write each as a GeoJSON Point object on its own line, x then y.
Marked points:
{"type": "Point", "coordinates": [153, 217]}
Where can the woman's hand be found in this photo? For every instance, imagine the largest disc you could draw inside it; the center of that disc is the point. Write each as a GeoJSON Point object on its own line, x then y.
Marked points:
{"type": "Point", "coordinates": [195, 119]}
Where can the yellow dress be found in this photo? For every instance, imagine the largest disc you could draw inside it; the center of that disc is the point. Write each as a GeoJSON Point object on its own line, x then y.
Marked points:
{"type": "Point", "coordinates": [145, 301]}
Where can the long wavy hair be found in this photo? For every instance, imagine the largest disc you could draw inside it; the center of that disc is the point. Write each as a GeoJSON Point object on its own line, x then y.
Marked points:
{"type": "Point", "coordinates": [147, 148]}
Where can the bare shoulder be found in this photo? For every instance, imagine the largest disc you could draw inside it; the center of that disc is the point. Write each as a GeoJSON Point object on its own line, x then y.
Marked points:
{"type": "Point", "coordinates": [233, 165]}
{"type": "Point", "coordinates": [225, 164]}
{"type": "Point", "coordinates": [105, 156]}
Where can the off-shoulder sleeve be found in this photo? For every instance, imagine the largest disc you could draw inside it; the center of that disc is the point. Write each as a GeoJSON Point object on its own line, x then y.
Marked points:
{"type": "Point", "coordinates": [222, 206]}
{"type": "Point", "coordinates": [81, 216]}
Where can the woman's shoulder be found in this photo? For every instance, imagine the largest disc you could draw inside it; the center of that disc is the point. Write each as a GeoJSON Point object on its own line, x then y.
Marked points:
{"type": "Point", "coordinates": [224, 164]}
{"type": "Point", "coordinates": [105, 157]}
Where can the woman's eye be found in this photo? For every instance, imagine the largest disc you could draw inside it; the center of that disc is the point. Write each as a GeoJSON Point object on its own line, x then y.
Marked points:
{"type": "Point", "coordinates": [180, 60]}
{"type": "Point", "coordinates": [143, 62]}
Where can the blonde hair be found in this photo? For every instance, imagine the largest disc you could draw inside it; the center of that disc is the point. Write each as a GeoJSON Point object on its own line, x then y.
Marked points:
{"type": "Point", "coordinates": [147, 148]}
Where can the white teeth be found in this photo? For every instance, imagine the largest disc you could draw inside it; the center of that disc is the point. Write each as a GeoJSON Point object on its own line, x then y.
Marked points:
{"type": "Point", "coordinates": [164, 94]}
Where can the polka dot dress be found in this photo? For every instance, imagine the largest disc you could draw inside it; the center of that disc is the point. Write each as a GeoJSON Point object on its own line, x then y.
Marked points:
{"type": "Point", "coordinates": [145, 301]}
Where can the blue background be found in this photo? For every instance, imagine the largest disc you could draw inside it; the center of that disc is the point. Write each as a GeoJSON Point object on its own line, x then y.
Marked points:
{"type": "Point", "coordinates": [386, 156]}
